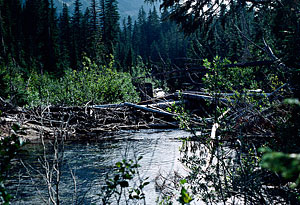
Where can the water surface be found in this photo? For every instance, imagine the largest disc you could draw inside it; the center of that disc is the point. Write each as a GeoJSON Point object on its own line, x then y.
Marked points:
{"type": "Point", "coordinates": [90, 162]}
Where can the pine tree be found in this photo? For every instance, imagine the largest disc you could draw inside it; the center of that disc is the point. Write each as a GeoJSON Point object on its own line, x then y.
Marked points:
{"type": "Point", "coordinates": [10, 30]}
{"type": "Point", "coordinates": [94, 16]}
{"type": "Point", "coordinates": [87, 34]}
{"type": "Point", "coordinates": [31, 18]}
{"type": "Point", "coordinates": [53, 38]}
{"type": "Point", "coordinates": [111, 25]}
{"type": "Point", "coordinates": [129, 29]}
{"type": "Point", "coordinates": [135, 39]}
{"type": "Point", "coordinates": [153, 25]}
{"type": "Point", "coordinates": [2, 44]}
{"type": "Point", "coordinates": [142, 34]}
{"type": "Point", "coordinates": [76, 50]}
{"type": "Point", "coordinates": [102, 18]}
{"type": "Point", "coordinates": [64, 36]}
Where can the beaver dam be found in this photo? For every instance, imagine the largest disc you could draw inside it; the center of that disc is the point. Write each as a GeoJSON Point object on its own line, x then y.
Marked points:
{"type": "Point", "coordinates": [75, 149]}
{"type": "Point", "coordinates": [92, 122]}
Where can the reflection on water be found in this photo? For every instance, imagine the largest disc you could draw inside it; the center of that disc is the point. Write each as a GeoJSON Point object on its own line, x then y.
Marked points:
{"type": "Point", "coordinates": [90, 162]}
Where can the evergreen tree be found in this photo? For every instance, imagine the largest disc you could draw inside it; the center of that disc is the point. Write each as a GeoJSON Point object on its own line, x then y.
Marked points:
{"type": "Point", "coordinates": [40, 34]}
{"type": "Point", "coordinates": [53, 48]}
{"type": "Point", "coordinates": [111, 25]}
{"type": "Point", "coordinates": [153, 26]}
{"type": "Point", "coordinates": [31, 18]}
{"type": "Point", "coordinates": [64, 36]}
{"type": "Point", "coordinates": [129, 29]}
{"type": "Point", "coordinates": [102, 18]}
{"type": "Point", "coordinates": [135, 39]}
{"type": "Point", "coordinates": [86, 34]}
{"type": "Point", "coordinates": [76, 36]}
{"type": "Point", "coordinates": [10, 30]}
{"type": "Point", "coordinates": [95, 47]}
{"type": "Point", "coordinates": [94, 16]}
{"type": "Point", "coordinates": [141, 34]}
{"type": "Point", "coordinates": [284, 31]}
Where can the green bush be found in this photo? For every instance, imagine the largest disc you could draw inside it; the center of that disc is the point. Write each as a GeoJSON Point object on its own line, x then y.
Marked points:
{"type": "Point", "coordinates": [94, 84]}
{"type": "Point", "coordinates": [288, 165]}
{"type": "Point", "coordinates": [236, 79]}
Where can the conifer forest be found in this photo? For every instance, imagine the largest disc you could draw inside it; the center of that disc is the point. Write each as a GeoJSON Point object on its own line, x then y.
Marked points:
{"type": "Point", "coordinates": [98, 101]}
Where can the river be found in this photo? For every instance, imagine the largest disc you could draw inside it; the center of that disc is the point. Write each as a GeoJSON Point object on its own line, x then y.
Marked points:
{"type": "Point", "coordinates": [90, 162]}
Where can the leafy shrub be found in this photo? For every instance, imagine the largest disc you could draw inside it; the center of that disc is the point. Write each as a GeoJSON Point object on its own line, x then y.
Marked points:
{"type": "Point", "coordinates": [236, 79]}
{"type": "Point", "coordinates": [288, 165]}
{"type": "Point", "coordinates": [77, 87]}
{"type": "Point", "coordinates": [120, 185]}
{"type": "Point", "coordinates": [12, 84]}
{"type": "Point", "coordinates": [141, 74]}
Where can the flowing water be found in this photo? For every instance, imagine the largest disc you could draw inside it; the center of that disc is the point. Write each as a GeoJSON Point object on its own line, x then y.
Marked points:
{"type": "Point", "coordinates": [90, 162]}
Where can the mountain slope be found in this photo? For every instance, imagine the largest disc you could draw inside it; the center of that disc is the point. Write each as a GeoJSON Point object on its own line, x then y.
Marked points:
{"type": "Point", "coordinates": [126, 7]}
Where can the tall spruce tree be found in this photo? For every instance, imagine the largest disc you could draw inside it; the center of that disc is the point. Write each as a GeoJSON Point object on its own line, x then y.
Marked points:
{"type": "Point", "coordinates": [86, 34]}
{"type": "Point", "coordinates": [64, 37]}
{"type": "Point", "coordinates": [76, 36]}
{"type": "Point", "coordinates": [111, 25]}
{"type": "Point", "coordinates": [10, 30]}
{"type": "Point", "coordinates": [95, 35]}
{"type": "Point", "coordinates": [141, 35]}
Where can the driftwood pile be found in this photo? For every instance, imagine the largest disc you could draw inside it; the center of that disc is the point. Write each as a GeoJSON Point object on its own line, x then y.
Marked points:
{"type": "Point", "coordinates": [90, 122]}
{"type": "Point", "coordinates": [98, 121]}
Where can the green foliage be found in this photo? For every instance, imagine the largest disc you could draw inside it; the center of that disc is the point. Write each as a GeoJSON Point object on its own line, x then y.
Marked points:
{"type": "Point", "coordinates": [141, 74]}
{"type": "Point", "coordinates": [182, 115]}
{"type": "Point", "coordinates": [292, 101]}
{"type": "Point", "coordinates": [77, 87]}
{"type": "Point", "coordinates": [9, 147]}
{"type": "Point", "coordinates": [12, 84]}
{"type": "Point", "coordinates": [228, 79]}
{"type": "Point", "coordinates": [246, 87]}
{"type": "Point", "coordinates": [119, 184]}
{"type": "Point", "coordinates": [185, 197]}
{"type": "Point", "coordinates": [288, 165]}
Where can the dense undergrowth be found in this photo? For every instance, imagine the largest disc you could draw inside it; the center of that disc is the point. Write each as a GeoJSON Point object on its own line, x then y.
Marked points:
{"type": "Point", "coordinates": [92, 84]}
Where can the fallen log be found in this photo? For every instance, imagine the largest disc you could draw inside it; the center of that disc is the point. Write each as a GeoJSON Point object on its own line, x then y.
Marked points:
{"type": "Point", "coordinates": [165, 104]}
{"type": "Point", "coordinates": [145, 108]}
{"type": "Point", "coordinates": [190, 96]}
{"type": "Point", "coordinates": [109, 106]}
{"type": "Point", "coordinates": [158, 99]}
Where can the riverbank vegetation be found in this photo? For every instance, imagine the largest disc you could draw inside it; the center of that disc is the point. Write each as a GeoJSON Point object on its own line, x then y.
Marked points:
{"type": "Point", "coordinates": [237, 63]}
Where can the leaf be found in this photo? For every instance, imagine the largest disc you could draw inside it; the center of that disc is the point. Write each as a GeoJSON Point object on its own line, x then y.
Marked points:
{"type": "Point", "coordinates": [146, 183]}
{"type": "Point", "coordinates": [119, 164]}
{"type": "Point", "coordinates": [182, 181]}
{"type": "Point", "coordinates": [185, 197]}
{"type": "Point", "coordinates": [292, 101]}
{"type": "Point", "coordinates": [127, 176]}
